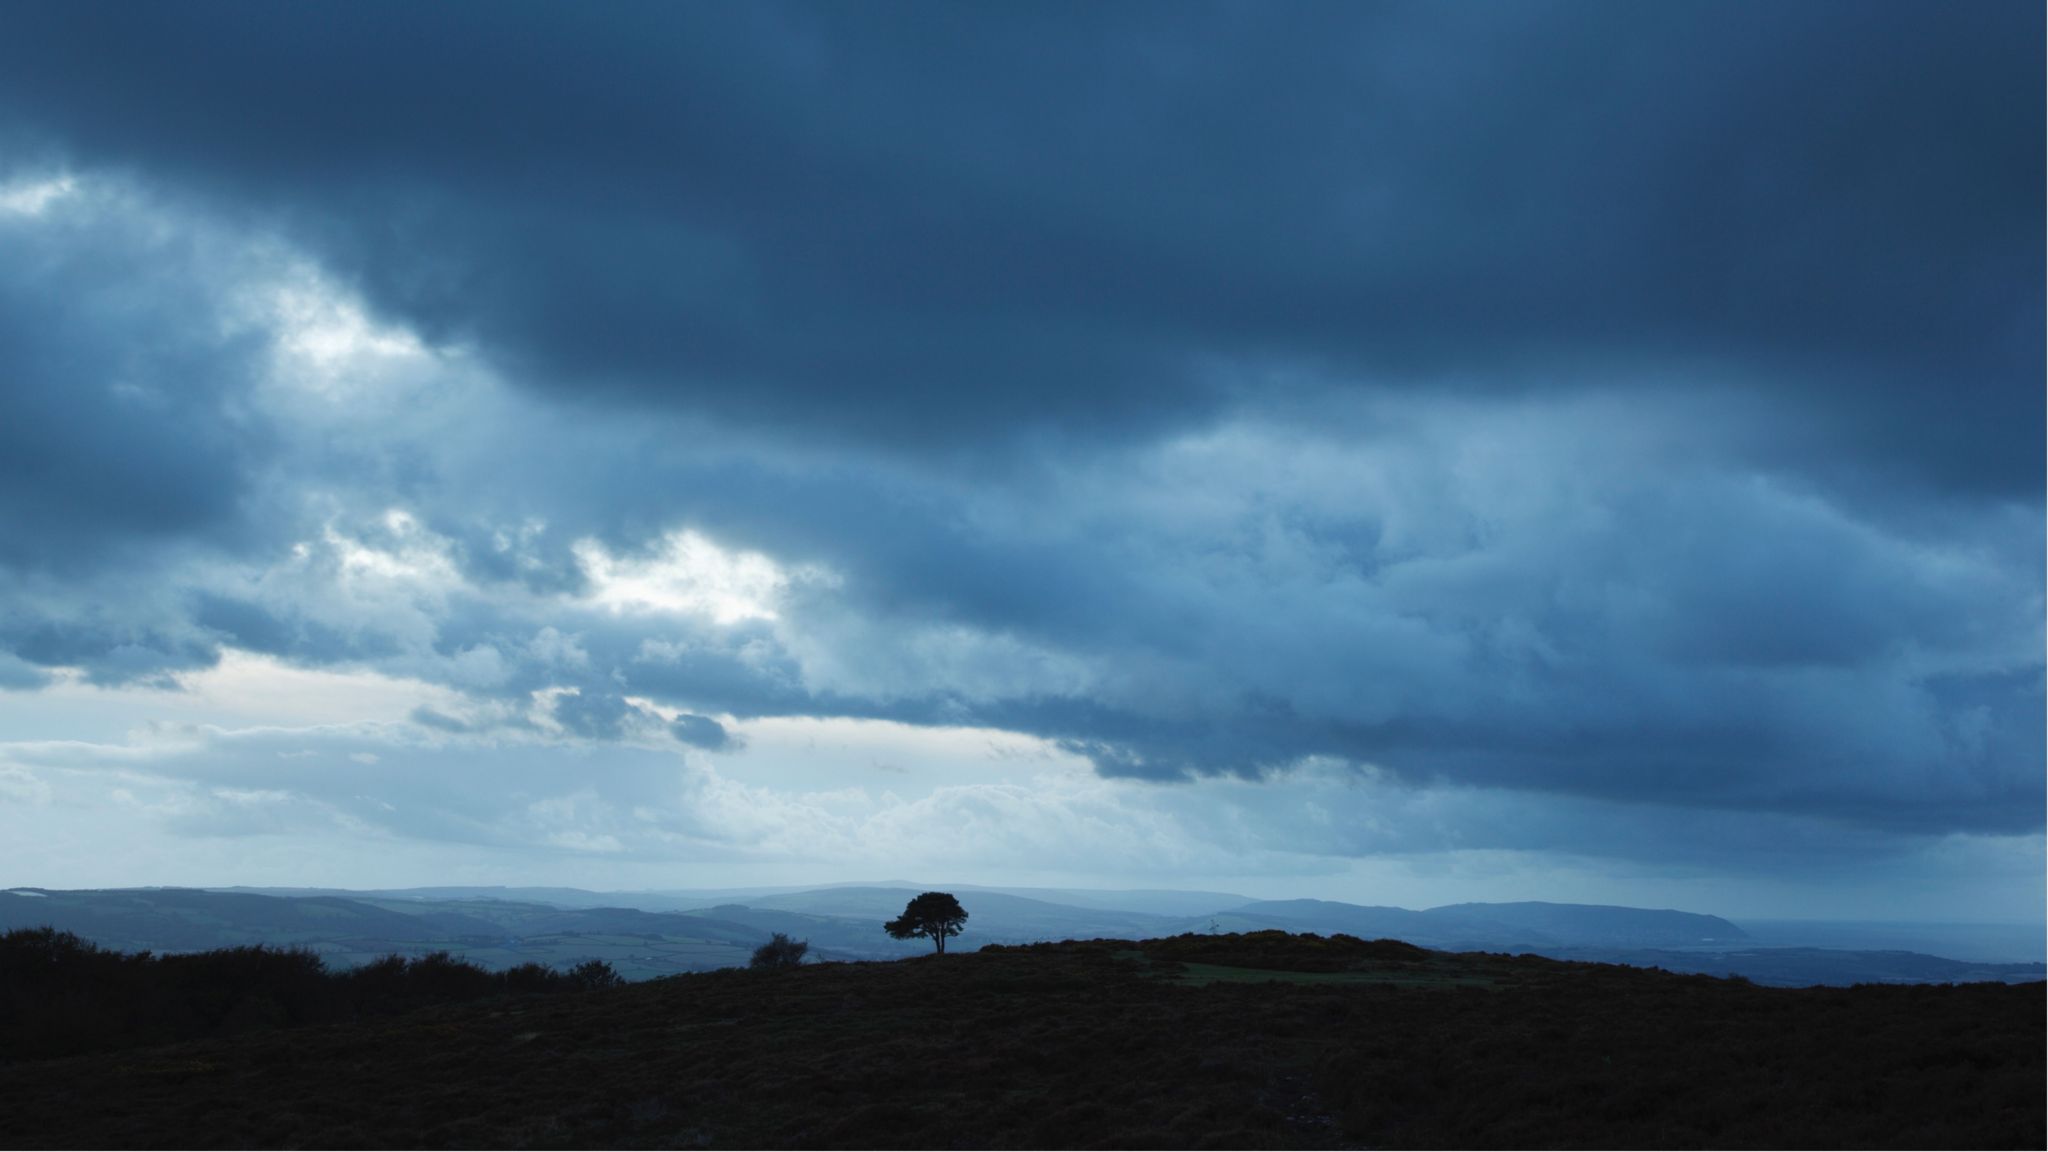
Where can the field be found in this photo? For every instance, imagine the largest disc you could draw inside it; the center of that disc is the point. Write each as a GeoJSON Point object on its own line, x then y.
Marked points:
{"type": "Point", "coordinates": [1263, 1041]}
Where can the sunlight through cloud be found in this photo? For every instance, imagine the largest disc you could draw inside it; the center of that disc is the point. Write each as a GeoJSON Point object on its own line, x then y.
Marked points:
{"type": "Point", "coordinates": [34, 197]}
{"type": "Point", "coordinates": [688, 575]}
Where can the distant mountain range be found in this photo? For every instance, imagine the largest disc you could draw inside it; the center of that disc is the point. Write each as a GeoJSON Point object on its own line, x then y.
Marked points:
{"type": "Point", "coordinates": [645, 934]}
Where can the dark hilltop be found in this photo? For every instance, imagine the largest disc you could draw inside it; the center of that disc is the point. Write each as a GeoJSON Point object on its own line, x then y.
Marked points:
{"type": "Point", "coordinates": [1261, 1039]}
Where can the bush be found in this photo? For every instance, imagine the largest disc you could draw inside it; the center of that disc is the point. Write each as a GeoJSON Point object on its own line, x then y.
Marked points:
{"type": "Point", "coordinates": [780, 952]}
{"type": "Point", "coordinates": [62, 996]}
{"type": "Point", "coordinates": [440, 976]}
{"type": "Point", "coordinates": [532, 977]}
{"type": "Point", "coordinates": [593, 974]}
{"type": "Point", "coordinates": [239, 988]}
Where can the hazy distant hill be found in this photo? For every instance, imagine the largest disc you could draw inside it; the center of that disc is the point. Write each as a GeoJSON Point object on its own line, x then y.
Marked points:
{"type": "Point", "coordinates": [1369, 922]}
{"type": "Point", "coordinates": [495, 933]}
{"type": "Point", "coordinates": [1599, 924]}
{"type": "Point", "coordinates": [184, 919]}
{"type": "Point", "coordinates": [830, 937]}
{"type": "Point", "coordinates": [993, 917]}
{"type": "Point", "coordinates": [645, 934]}
{"type": "Point", "coordinates": [553, 897]}
{"type": "Point", "coordinates": [1025, 914]}
{"type": "Point", "coordinates": [1806, 967]}
{"type": "Point", "coordinates": [1155, 902]}
{"type": "Point", "coordinates": [1994, 942]}
{"type": "Point", "coordinates": [1150, 901]}
{"type": "Point", "coordinates": [1511, 927]}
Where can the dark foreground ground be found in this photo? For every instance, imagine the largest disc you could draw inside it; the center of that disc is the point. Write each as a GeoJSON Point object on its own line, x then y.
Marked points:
{"type": "Point", "coordinates": [1196, 1041]}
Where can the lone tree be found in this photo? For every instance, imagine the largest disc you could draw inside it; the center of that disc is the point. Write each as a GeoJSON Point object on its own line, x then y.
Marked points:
{"type": "Point", "coordinates": [780, 952]}
{"type": "Point", "coordinates": [933, 914]}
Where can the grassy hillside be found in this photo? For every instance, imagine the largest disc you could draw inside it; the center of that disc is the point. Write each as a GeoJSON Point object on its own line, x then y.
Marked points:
{"type": "Point", "coordinates": [1238, 1041]}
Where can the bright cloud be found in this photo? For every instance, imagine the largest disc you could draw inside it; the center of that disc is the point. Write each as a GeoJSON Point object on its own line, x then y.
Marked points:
{"type": "Point", "coordinates": [686, 574]}
{"type": "Point", "coordinates": [34, 197]}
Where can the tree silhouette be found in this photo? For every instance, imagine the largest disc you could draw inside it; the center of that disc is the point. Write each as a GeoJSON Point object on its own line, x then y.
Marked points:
{"type": "Point", "coordinates": [932, 914]}
{"type": "Point", "coordinates": [780, 952]}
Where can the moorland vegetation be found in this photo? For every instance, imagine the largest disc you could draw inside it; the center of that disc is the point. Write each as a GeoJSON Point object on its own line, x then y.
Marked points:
{"type": "Point", "coordinates": [1235, 1040]}
{"type": "Point", "coordinates": [60, 995]}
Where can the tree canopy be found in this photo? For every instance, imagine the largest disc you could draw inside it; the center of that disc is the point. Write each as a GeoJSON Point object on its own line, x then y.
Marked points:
{"type": "Point", "coordinates": [934, 915]}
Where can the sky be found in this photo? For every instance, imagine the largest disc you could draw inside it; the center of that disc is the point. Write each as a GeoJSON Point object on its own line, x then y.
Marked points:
{"type": "Point", "coordinates": [1391, 453]}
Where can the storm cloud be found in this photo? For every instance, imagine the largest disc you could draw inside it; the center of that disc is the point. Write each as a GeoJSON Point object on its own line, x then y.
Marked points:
{"type": "Point", "coordinates": [918, 225]}
{"type": "Point", "coordinates": [1576, 410]}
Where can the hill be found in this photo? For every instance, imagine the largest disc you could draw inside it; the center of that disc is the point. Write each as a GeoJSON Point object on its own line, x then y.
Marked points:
{"type": "Point", "coordinates": [1152, 901]}
{"type": "Point", "coordinates": [498, 934]}
{"type": "Point", "coordinates": [1513, 927]}
{"type": "Point", "coordinates": [995, 917]}
{"type": "Point", "coordinates": [644, 935]}
{"type": "Point", "coordinates": [1807, 967]}
{"type": "Point", "coordinates": [1602, 924]}
{"type": "Point", "coordinates": [188, 919]}
{"type": "Point", "coordinates": [1262, 1040]}
{"type": "Point", "coordinates": [1368, 921]}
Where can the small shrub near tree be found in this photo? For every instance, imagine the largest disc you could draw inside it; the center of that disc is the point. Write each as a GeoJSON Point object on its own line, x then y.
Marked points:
{"type": "Point", "coordinates": [780, 952]}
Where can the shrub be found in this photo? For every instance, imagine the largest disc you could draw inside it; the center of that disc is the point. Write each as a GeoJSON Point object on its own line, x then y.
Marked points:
{"type": "Point", "coordinates": [593, 974]}
{"type": "Point", "coordinates": [532, 977]}
{"type": "Point", "coordinates": [780, 952]}
{"type": "Point", "coordinates": [61, 996]}
{"type": "Point", "coordinates": [440, 976]}
{"type": "Point", "coordinates": [248, 985]}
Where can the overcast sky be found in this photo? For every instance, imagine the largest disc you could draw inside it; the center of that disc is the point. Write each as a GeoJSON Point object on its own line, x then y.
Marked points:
{"type": "Point", "coordinates": [1399, 454]}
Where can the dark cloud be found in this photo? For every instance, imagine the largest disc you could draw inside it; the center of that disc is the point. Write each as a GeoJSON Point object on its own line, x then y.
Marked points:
{"type": "Point", "coordinates": [121, 422]}
{"type": "Point", "coordinates": [701, 732]}
{"type": "Point", "coordinates": [19, 675]}
{"type": "Point", "coordinates": [253, 628]}
{"type": "Point", "coordinates": [111, 648]}
{"type": "Point", "coordinates": [599, 715]}
{"type": "Point", "coordinates": [439, 721]}
{"type": "Point", "coordinates": [921, 226]}
{"type": "Point", "coordinates": [1647, 627]}
{"type": "Point", "coordinates": [1628, 407]}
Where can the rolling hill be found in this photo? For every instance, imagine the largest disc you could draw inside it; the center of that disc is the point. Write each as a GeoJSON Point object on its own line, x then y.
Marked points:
{"type": "Point", "coordinates": [645, 935]}
{"type": "Point", "coordinates": [1519, 927]}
